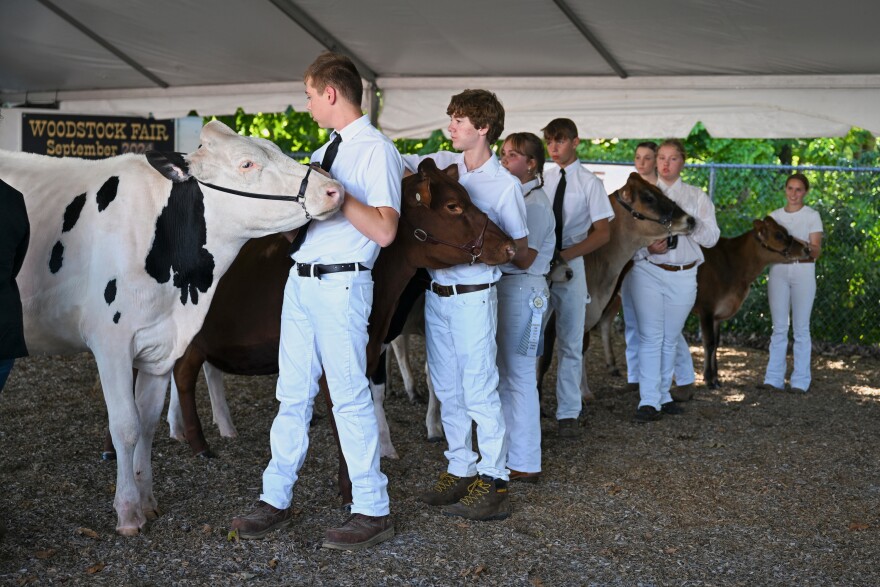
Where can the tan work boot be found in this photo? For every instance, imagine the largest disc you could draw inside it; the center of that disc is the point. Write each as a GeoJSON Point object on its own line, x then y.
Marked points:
{"type": "Point", "coordinates": [486, 500]}
{"type": "Point", "coordinates": [448, 489]}
{"type": "Point", "coordinates": [359, 531]}
{"type": "Point", "coordinates": [261, 521]}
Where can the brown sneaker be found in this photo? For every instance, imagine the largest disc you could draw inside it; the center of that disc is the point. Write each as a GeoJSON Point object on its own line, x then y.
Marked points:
{"type": "Point", "coordinates": [359, 531]}
{"type": "Point", "coordinates": [448, 490]}
{"type": "Point", "coordinates": [568, 428]}
{"type": "Point", "coordinates": [524, 477]}
{"type": "Point", "coordinates": [683, 393]}
{"type": "Point", "coordinates": [486, 500]}
{"type": "Point", "coordinates": [261, 521]}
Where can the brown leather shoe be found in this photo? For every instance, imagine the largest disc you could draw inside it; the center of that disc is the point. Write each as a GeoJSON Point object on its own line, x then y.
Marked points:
{"type": "Point", "coordinates": [524, 477]}
{"type": "Point", "coordinates": [486, 500]}
{"type": "Point", "coordinates": [359, 531]}
{"type": "Point", "coordinates": [261, 521]}
{"type": "Point", "coordinates": [447, 490]}
{"type": "Point", "coordinates": [683, 393]}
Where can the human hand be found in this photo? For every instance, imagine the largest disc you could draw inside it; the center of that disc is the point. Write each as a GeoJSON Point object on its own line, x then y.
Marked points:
{"type": "Point", "coordinates": [658, 247]}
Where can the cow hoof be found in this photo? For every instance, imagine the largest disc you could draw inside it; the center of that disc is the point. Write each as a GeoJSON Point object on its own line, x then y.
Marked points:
{"type": "Point", "coordinates": [684, 393]}
{"type": "Point", "coordinates": [152, 513]}
{"type": "Point", "coordinates": [615, 372]}
{"type": "Point", "coordinates": [392, 455]}
{"type": "Point", "coordinates": [128, 532]}
{"type": "Point", "coordinates": [435, 439]}
{"type": "Point", "coordinates": [206, 454]}
{"type": "Point", "coordinates": [108, 455]}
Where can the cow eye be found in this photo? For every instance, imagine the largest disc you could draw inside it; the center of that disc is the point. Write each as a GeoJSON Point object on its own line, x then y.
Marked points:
{"type": "Point", "coordinates": [247, 164]}
{"type": "Point", "coordinates": [453, 207]}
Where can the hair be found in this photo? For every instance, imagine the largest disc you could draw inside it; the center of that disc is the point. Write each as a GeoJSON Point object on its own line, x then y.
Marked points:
{"type": "Point", "coordinates": [531, 146]}
{"type": "Point", "coordinates": [337, 71]}
{"type": "Point", "coordinates": [560, 128]}
{"type": "Point", "coordinates": [677, 144]}
{"type": "Point", "coordinates": [482, 108]}
{"type": "Point", "coordinates": [801, 178]}
{"type": "Point", "coordinates": [647, 145]}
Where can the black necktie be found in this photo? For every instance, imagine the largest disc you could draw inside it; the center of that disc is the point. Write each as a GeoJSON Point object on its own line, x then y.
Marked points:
{"type": "Point", "coordinates": [557, 208]}
{"type": "Point", "coordinates": [326, 164]}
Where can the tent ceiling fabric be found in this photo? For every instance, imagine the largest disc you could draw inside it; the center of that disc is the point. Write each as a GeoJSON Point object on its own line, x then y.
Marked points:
{"type": "Point", "coordinates": [744, 68]}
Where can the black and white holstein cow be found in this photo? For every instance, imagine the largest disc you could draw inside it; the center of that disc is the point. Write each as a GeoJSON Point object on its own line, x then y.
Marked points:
{"type": "Point", "coordinates": [124, 259]}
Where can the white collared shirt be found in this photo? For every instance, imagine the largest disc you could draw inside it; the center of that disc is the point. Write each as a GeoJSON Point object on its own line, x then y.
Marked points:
{"type": "Point", "coordinates": [695, 202]}
{"type": "Point", "coordinates": [586, 201]}
{"type": "Point", "coordinates": [494, 191]}
{"type": "Point", "coordinates": [369, 168]}
{"type": "Point", "coordinates": [542, 230]}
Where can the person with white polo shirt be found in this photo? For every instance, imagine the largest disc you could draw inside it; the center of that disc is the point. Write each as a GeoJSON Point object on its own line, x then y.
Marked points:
{"type": "Point", "coordinates": [327, 304]}
{"type": "Point", "coordinates": [664, 285]}
{"type": "Point", "coordinates": [583, 215]}
{"type": "Point", "coordinates": [461, 319]}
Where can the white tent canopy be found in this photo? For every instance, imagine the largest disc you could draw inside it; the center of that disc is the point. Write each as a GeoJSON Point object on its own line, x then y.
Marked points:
{"type": "Point", "coordinates": [745, 68]}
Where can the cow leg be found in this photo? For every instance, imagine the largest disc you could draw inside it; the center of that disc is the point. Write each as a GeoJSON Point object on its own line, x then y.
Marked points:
{"type": "Point", "coordinates": [219, 407]}
{"type": "Point", "coordinates": [605, 324]}
{"type": "Point", "coordinates": [432, 419]}
{"type": "Point", "coordinates": [400, 346]}
{"type": "Point", "coordinates": [587, 394]}
{"type": "Point", "coordinates": [378, 381]}
{"type": "Point", "coordinates": [186, 373]}
{"type": "Point", "coordinates": [175, 418]}
{"type": "Point", "coordinates": [710, 346]}
{"type": "Point", "coordinates": [344, 479]}
{"type": "Point", "coordinates": [116, 381]}
{"type": "Point", "coordinates": [149, 399]}
{"type": "Point", "coordinates": [546, 359]}
{"type": "Point", "coordinates": [717, 331]}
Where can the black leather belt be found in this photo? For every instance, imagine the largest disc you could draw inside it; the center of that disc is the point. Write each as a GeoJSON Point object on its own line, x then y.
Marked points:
{"type": "Point", "coordinates": [444, 291]}
{"type": "Point", "coordinates": [674, 267]}
{"type": "Point", "coordinates": [309, 270]}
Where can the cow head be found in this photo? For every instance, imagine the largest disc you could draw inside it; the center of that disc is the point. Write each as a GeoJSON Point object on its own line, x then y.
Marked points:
{"type": "Point", "coordinates": [775, 238]}
{"type": "Point", "coordinates": [258, 166]}
{"type": "Point", "coordinates": [437, 210]}
{"type": "Point", "coordinates": [656, 215]}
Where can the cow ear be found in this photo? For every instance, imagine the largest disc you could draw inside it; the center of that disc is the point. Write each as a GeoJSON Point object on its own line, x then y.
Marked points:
{"type": "Point", "coordinates": [452, 171]}
{"type": "Point", "coordinates": [760, 228]}
{"type": "Point", "coordinates": [171, 165]}
{"type": "Point", "coordinates": [423, 191]}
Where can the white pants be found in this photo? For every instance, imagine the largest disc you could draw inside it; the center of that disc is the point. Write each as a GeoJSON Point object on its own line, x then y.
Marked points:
{"type": "Point", "coordinates": [517, 372]}
{"type": "Point", "coordinates": [460, 339]}
{"type": "Point", "coordinates": [324, 324]}
{"type": "Point", "coordinates": [684, 362]}
{"type": "Point", "coordinates": [662, 301]}
{"type": "Point", "coordinates": [791, 289]}
{"type": "Point", "coordinates": [569, 301]}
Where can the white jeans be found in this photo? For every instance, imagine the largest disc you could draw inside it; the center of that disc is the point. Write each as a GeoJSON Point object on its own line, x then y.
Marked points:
{"type": "Point", "coordinates": [662, 301]}
{"type": "Point", "coordinates": [791, 290]}
{"type": "Point", "coordinates": [684, 362]}
{"type": "Point", "coordinates": [324, 324]}
{"type": "Point", "coordinates": [569, 301]}
{"type": "Point", "coordinates": [517, 372]}
{"type": "Point", "coordinates": [460, 340]}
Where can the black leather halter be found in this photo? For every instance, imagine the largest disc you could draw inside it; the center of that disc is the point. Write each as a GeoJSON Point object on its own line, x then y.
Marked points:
{"type": "Point", "coordinates": [665, 220]}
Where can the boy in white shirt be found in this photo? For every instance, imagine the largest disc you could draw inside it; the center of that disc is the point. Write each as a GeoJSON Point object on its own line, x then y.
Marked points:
{"type": "Point", "coordinates": [461, 320]}
{"type": "Point", "coordinates": [579, 203]}
{"type": "Point", "coordinates": [327, 303]}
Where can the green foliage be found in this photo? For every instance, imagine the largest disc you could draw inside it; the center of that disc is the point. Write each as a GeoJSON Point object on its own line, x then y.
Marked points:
{"type": "Point", "coordinates": [295, 132]}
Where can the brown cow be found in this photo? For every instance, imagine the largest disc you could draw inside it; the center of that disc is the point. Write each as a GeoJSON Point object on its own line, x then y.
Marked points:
{"type": "Point", "coordinates": [723, 284]}
{"type": "Point", "coordinates": [439, 227]}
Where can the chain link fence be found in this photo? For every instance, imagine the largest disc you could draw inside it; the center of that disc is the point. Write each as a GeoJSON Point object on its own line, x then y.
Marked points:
{"type": "Point", "coordinates": [847, 306]}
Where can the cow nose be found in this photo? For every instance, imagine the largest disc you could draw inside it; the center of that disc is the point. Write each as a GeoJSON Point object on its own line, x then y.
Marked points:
{"type": "Point", "coordinates": [692, 222]}
{"type": "Point", "coordinates": [334, 193]}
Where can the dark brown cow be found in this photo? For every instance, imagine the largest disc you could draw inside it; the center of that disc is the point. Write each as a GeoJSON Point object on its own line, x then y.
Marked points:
{"type": "Point", "coordinates": [439, 227]}
{"type": "Point", "coordinates": [724, 282]}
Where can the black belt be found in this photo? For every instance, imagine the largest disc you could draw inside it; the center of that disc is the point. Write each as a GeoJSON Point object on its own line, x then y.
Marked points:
{"type": "Point", "coordinates": [444, 291]}
{"type": "Point", "coordinates": [309, 270]}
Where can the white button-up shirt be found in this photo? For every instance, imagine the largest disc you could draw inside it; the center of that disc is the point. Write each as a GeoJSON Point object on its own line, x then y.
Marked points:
{"type": "Point", "coordinates": [586, 201]}
{"type": "Point", "coordinates": [695, 202]}
{"type": "Point", "coordinates": [494, 191]}
{"type": "Point", "coordinates": [369, 168]}
{"type": "Point", "coordinates": [542, 230]}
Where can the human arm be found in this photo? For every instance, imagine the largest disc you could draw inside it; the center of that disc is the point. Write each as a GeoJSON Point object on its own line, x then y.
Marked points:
{"type": "Point", "coordinates": [377, 223]}
{"type": "Point", "coordinates": [599, 235]}
{"type": "Point", "coordinates": [706, 233]}
{"type": "Point", "coordinates": [816, 244]}
{"type": "Point", "coordinates": [524, 256]}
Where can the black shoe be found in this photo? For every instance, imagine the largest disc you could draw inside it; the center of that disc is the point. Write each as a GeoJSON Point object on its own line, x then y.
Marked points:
{"type": "Point", "coordinates": [647, 414]}
{"type": "Point", "coordinates": [671, 408]}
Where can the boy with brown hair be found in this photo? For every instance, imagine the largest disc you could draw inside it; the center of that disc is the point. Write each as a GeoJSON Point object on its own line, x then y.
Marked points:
{"type": "Point", "coordinates": [580, 203]}
{"type": "Point", "coordinates": [461, 319]}
{"type": "Point", "coordinates": [327, 303]}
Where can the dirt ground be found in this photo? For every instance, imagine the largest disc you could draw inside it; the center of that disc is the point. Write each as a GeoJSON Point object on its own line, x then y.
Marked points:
{"type": "Point", "coordinates": [748, 487]}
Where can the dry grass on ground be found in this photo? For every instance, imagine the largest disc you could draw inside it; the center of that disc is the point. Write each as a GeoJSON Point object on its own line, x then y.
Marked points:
{"type": "Point", "coordinates": [747, 488]}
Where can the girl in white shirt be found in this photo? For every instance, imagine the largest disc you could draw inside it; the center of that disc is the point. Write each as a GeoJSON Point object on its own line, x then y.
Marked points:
{"type": "Point", "coordinates": [792, 288]}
